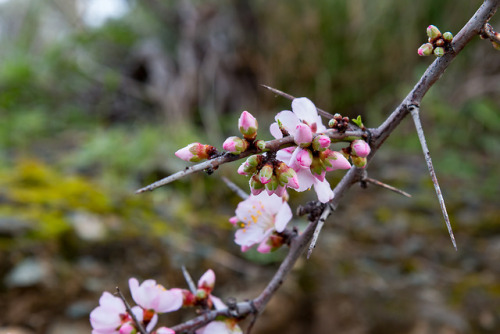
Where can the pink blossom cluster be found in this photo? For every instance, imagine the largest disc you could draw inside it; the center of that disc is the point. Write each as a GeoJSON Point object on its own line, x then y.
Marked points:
{"type": "Point", "coordinates": [112, 317]}
{"type": "Point", "coordinates": [263, 216]}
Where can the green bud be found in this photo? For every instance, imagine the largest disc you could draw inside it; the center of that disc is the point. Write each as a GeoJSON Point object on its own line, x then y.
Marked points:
{"type": "Point", "coordinates": [332, 123]}
{"type": "Point", "coordinates": [439, 52]}
{"type": "Point", "coordinates": [266, 173]}
{"type": "Point", "coordinates": [358, 162]}
{"type": "Point", "coordinates": [272, 185]}
{"type": "Point", "coordinates": [433, 33]}
{"type": "Point", "coordinates": [261, 145]}
{"type": "Point", "coordinates": [448, 36]}
{"type": "Point", "coordinates": [255, 160]}
{"type": "Point", "coordinates": [425, 49]}
{"type": "Point", "coordinates": [439, 42]}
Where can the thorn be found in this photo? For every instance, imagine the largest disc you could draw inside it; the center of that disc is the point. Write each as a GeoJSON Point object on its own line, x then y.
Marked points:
{"type": "Point", "coordinates": [414, 110]}
{"type": "Point", "coordinates": [189, 280]}
{"type": "Point", "coordinates": [386, 186]}
{"type": "Point", "coordinates": [323, 113]}
{"type": "Point", "coordinates": [240, 192]}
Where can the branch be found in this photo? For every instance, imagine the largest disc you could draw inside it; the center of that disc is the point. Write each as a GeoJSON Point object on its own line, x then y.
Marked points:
{"type": "Point", "coordinates": [299, 243]}
{"type": "Point", "coordinates": [272, 145]}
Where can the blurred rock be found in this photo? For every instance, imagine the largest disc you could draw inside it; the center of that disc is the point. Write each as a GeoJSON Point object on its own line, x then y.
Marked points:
{"type": "Point", "coordinates": [30, 271]}
{"type": "Point", "coordinates": [88, 226]}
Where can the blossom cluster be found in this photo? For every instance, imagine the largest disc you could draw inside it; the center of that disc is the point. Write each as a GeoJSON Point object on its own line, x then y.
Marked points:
{"type": "Point", "coordinates": [438, 44]}
{"type": "Point", "coordinates": [264, 215]}
{"type": "Point", "coordinates": [112, 316]}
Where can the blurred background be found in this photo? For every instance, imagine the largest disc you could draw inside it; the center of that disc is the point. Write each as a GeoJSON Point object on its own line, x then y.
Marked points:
{"type": "Point", "coordinates": [96, 96]}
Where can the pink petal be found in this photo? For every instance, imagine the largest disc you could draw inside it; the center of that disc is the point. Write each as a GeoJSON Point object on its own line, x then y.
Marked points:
{"type": "Point", "coordinates": [303, 134]}
{"type": "Point", "coordinates": [283, 217]}
{"type": "Point", "coordinates": [275, 131]}
{"type": "Point", "coordinates": [323, 190]}
{"type": "Point", "coordinates": [289, 120]}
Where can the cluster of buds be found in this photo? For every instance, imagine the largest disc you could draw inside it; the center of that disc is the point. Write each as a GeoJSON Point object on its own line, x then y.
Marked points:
{"type": "Point", "coordinates": [247, 124]}
{"type": "Point", "coordinates": [268, 174]}
{"type": "Point", "coordinates": [487, 32]}
{"type": "Point", "coordinates": [438, 44]}
{"type": "Point", "coordinates": [339, 123]}
{"type": "Point", "coordinates": [358, 151]}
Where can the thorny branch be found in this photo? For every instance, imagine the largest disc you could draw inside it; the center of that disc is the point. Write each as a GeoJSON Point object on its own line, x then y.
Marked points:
{"type": "Point", "coordinates": [299, 243]}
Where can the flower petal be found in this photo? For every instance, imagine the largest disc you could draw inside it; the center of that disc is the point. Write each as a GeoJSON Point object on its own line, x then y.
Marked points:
{"type": "Point", "coordinates": [275, 131]}
{"type": "Point", "coordinates": [305, 110]}
{"type": "Point", "coordinates": [289, 120]}
{"type": "Point", "coordinates": [323, 190]}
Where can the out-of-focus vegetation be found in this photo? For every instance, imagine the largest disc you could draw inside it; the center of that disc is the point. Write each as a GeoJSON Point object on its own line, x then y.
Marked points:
{"type": "Point", "coordinates": [89, 114]}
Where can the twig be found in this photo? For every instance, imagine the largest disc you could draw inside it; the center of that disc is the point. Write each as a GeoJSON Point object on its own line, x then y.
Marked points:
{"type": "Point", "coordinates": [488, 32]}
{"type": "Point", "coordinates": [386, 186]}
{"type": "Point", "coordinates": [317, 230]}
{"type": "Point", "coordinates": [189, 280]}
{"type": "Point", "coordinates": [272, 145]}
{"type": "Point", "coordinates": [414, 110]}
{"type": "Point", "coordinates": [140, 327]}
{"type": "Point", "coordinates": [231, 185]}
{"type": "Point", "coordinates": [323, 113]}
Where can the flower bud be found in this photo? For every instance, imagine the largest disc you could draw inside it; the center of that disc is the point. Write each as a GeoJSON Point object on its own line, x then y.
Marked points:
{"type": "Point", "coordinates": [358, 161]}
{"type": "Point", "coordinates": [304, 158]}
{"type": "Point", "coordinates": [255, 160]}
{"type": "Point", "coordinates": [266, 172]}
{"type": "Point", "coordinates": [439, 42]}
{"type": "Point", "coordinates": [261, 145]}
{"type": "Point", "coordinates": [334, 160]}
{"type": "Point", "coordinates": [248, 125]}
{"type": "Point", "coordinates": [207, 281]}
{"type": "Point", "coordinates": [234, 220]}
{"type": "Point", "coordinates": [318, 169]}
{"type": "Point", "coordinates": [201, 294]}
{"type": "Point", "coordinates": [425, 49]}
{"type": "Point", "coordinates": [321, 143]}
{"type": "Point", "coordinates": [195, 152]}
{"type": "Point", "coordinates": [188, 298]}
{"type": "Point", "coordinates": [439, 52]}
{"type": "Point", "coordinates": [332, 123]}
{"type": "Point", "coordinates": [303, 135]}
{"type": "Point", "coordinates": [127, 328]}
{"type": "Point", "coordinates": [287, 176]}
{"type": "Point", "coordinates": [255, 186]}
{"type": "Point", "coordinates": [235, 145]}
{"type": "Point", "coordinates": [360, 148]}
{"type": "Point", "coordinates": [433, 33]}
{"type": "Point", "coordinates": [448, 37]}
{"type": "Point", "coordinates": [164, 330]}
{"type": "Point", "coordinates": [272, 185]}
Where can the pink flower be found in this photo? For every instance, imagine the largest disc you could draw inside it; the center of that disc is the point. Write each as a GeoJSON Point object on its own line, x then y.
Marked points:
{"type": "Point", "coordinates": [109, 315]}
{"type": "Point", "coordinates": [248, 125]}
{"type": "Point", "coordinates": [207, 281]}
{"type": "Point", "coordinates": [152, 296]}
{"type": "Point", "coordinates": [360, 148]}
{"type": "Point", "coordinates": [259, 216]}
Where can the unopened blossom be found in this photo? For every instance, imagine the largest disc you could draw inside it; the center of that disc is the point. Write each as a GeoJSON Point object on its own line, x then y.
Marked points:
{"type": "Point", "coordinates": [433, 33]}
{"type": "Point", "coordinates": [266, 173]}
{"type": "Point", "coordinates": [152, 296]}
{"type": "Point", "coordinates": [164, 330]}
{"type": "Point", "coordinates": [321, 143]}
{"type": "Point", "coordinates": [258, 217]}
{"type": "Point", "coordinates": [248, 125]}
{"type": "Point", "coordinates": [303, 135]}
{"type": "Point", "coordinates": [359, 161]}
{"type": "Point", "coordinates": [360, 148]}
{"type": "Point", "coordinates": [195, 152]}
{"type": "Point", "coordinates": [207, 281]}
{"type": "Point", "coordinates": [235, 145]}
{"type": "Point", "coordinates": [334, 160]}
{"type": "Point", "coordinates": [425, 49]}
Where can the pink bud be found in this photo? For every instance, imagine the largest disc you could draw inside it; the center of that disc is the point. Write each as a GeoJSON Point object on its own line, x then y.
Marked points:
{"type": "Point", "coordinates": [207, 281]}
{"type": "Point", "coordinates": [334, 160]}
{"type": "Point", "coordinates": [321, 142]}
{"type": "Point", "coordinates": [256, 187]}
{"type": "Point", "coordinates": [164, 330]}
{"type": "Point", "coordinates": [195, 152]}
{"type": "Point", "coordinates": [248, 125]}
{"type": "Point", "coordinates": [360, 148]}
{"type": "Point", "coordinates": [235, 145]}
{"type": "Point", "coordinates": [234, 220]}
{"type": "Point", "coordinates": [303, 135]}
{"type": "Point", "coordinates": [241, 169]}
{"type": "Point", "coordinates": [127, 328]}
{"type": "Point", "coordinates": [266, 172]}
{"type": "Point", "coordinates": [264, 248]}
{"type": "Point", "coordinates": [304, 158]}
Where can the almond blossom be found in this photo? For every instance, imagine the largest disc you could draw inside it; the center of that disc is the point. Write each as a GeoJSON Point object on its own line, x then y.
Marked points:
{"type": "Point", "coordinates": [155, 297]}
{"type": "Point", "coordinates": [258, 217]}
{"type": "Point", "coordinates": [301, 158]}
